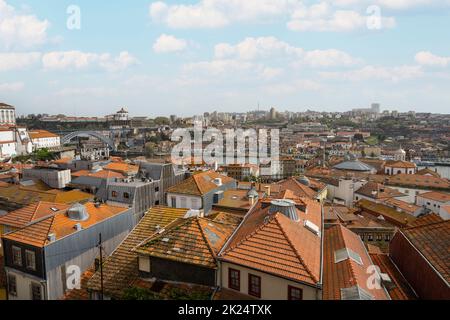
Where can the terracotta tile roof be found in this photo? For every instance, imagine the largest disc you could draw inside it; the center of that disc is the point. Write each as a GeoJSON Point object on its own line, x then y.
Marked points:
{"type": "Point", "coordinates": [402, 205]}
{"type": "Point", "coordinates": [300, 190]}
{"type": "Point", "coordinates": [199, 184]}
{"type": "Point", "coordinates": [122, 167]}
{"type": "Point", "coordinates": [236, 199]}
{"type": "Point", "coordinates": [401, 164]}
{"type": "Point", "coordinates": [39, 134]}
{"type": "Point", "coordinates": [391, 215]}
{"type": "Point", "coordinates": [378, 191]}
{"type": "Point", "coordinates": [73, 196]}
{"type": "Point", "coordinates": [121, 268]}
{"type": "Point", "coordinates": [37, 233]}
{"type": "Point", "coordinates": [103, 174]}
{"type": "Point", "coordinates": [436, 196]}
{"type": "Point", "coordinates": [427, 171]}
{"type": "Point", "coordinates": [62, 160]}
{"type": "Point", "coordinates": [277, 245]}
{"type": "Point", "coordinates": [225, 217]}
{"type": "Point", "coordinates": [82, 293]}
{"type": "Point", "coordinates": [193, 241]}
{"type": "Point", "coordinates": [400, 288]}
{"type": "Point", "coordinates": [347, 273]}
{"type": "Point", "coordinates": [36, 211]}
{"type": "Point", "coordinates": [432, 240]}
{"type": "Point", "coordinates": [413, 180]}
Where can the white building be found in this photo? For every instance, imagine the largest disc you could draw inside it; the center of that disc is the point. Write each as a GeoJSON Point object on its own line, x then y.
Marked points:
{"type": "Point", "coordinates": [7, 115]}
{"type": "Point", "coordinates": [400, 167]}
{"type": "Point", "coordinates": [44, 139]}
{"type": "Point", "coordinates": [433, 200]}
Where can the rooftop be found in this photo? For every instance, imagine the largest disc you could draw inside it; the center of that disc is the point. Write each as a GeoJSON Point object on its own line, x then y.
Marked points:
{"type": "Point", "coordinates": [345, 267]}
{"type": "Point", "coordinates": [39, 134]}
{"type": "Point", "coordinates": [199, 184]}
{"type": "Point", "coordinates": [193, 241]}
{"type": "Point", "coordinates": [60, 225]}
{"type": "Point", "coordinates": [277, 245]}
{"type": "Point", "coordinates": [376, 190]}
{"type": "Point", "coordinates": [391, 215]}
{"type": "Point", "coordinates": [436, 196]}
{"type": "Point", "coordinates": [121, 268]}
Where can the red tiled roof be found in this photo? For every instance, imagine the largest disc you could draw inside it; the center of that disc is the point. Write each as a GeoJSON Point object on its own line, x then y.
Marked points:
{"type": "Point", "coordinates": [199, 184]}
{"type": "Point", "coordinates": [436, 196]}
{"type": "Point", "coordinates": [300, 190]}
{"type": "Point", "coordinates": [400, 290]}
{"type": "Point", "coordinates": [22, 217]}
{"type": "Point", "coordinates": [278, 245]}
{"type": "Point", "coordinates": [432, 240]}
{"type": "Point", "coordinates": [347, 273]}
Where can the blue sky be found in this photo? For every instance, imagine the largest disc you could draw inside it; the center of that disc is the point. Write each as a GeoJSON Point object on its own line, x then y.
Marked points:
{"type": "Point", "coordinates": [188, 57]}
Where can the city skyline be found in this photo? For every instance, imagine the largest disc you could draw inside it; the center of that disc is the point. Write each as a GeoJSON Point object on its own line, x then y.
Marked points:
{"type": "Point", "coordinates": [199, 56]}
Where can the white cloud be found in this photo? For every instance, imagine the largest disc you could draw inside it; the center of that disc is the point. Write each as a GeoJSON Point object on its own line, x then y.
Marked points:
{"type": "Point", "coordinates": [11, 87]}
{"type": "Point", "coordinates": [16, 61]}
{"type": "Point", "coordinates": [407, 4]}
{"type": "Point", "coordinates": [75, 60]}
{"type": "Point", "coordinates": [393, 74]}
{"type": "Point", "coordinates": [218, 67]}
{"type": "Point", "coordinates": [167, 43]}
{"type": "Point", "coordinates": [272, 48]}
{"type": "Point", "coordinates": [323, 18]}
{"type": "Point", "coordinates": [20, 30]}
{"type": "Point", "coordinates": [427, 58]}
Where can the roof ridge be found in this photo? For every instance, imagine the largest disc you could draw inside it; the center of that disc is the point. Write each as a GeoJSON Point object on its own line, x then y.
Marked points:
{"type": "Point", "coordinates": [276, 215]}
{"type": "Point", "coordinates": [197, 220]}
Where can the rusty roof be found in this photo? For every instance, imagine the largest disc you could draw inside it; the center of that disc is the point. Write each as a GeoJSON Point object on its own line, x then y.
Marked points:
{"type": "Point", "coordinates": [376, 190]}
{"type": "Point", "coordinates": [391, 215]}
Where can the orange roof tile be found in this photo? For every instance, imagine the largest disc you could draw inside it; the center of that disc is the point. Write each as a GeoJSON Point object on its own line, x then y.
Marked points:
{"type": "Point", "coordinates": [297, 188]}
{"type": "Point", "coordinates": [36, 234]}
{"type": "Point", "coordinates": [346, 273]}
{"type": "Point", "coordinates": [122, 167]}
{"type": "Point", "coordinates": [199, 184]}
{"type": "Point", "coordinates": [436, 196]}
{"type": "Point", "coordinates": [400, 290]}
{"type": "Point", "coordinates": [22, 217]}
{"type": "Point", "coordinates": [39, 134]}
{"type": "Point", "coordinates": [277, 245]}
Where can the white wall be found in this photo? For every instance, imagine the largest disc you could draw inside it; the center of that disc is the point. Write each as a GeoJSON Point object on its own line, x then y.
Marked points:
{"type": "Point", "coordinates": [272, 287]}
{"type": "Point", "coordinates": [185, 201]}
{"type": "Point", "coordinates": [433, 205]}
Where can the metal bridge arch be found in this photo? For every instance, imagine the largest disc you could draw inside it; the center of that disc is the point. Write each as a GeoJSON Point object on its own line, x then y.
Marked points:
{"type": "Point", "coordinates": [94, 134]}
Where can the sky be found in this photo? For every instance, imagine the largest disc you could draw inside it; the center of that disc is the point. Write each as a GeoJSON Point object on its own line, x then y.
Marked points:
{"type": "Point", "coordinates": [179, 57]}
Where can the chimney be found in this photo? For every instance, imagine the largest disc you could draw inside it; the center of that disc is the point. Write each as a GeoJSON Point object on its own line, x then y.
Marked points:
{"type": "Point", "coordinates": [78, 227]}
{"type": "Point", "coordinates": [218, 181]}
{"type": "Point", "coordinates": [51, 237]}
{"type": "Point", "coordinates": [252, 201]}
{"type": "Point", "coordinates": [267, 189]}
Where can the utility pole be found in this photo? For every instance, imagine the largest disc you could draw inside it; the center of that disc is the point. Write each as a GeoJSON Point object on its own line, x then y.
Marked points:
{"type": "Point", "coordinates": [101, 265]}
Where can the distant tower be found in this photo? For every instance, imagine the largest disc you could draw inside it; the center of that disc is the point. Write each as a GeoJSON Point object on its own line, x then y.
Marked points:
{"type": "Point", "coordinates": [376, 108]}
{"type": "Point", "coordinates": [400, 155]}
{"type": "Point", "coordinates": [273, 114]}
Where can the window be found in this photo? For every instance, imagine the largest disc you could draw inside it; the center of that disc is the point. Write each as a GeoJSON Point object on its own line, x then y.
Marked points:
{"type": "Point", "coordinates": [157, 189]}
{"type": "Point", "coordinates": [379, 237]}
{"type": "Point", "coordinates": [173, 202]}
{"type": "Point", "coordinates": [183, 202]}
{"type": "Point", "coordinates": [157, 203]}
{"type": "Point", "coordinates": [17, 256]}
{"type": "Point", "coordinates": [114, 194]}
{"type": "Point", "coordinates": [387, 237]}
{"type": "Point", "coordinates": [126, 195]}
{"type": "Point", "coordinates": [295, 293]}
{"type": "Point", "coordinates": [234, 279]}
{"type": "Point", "coordinates": [254, 285]}
{"type": "Point", "coordinates": [36, 291]}
{"type": "Point", "coordinates": [30, 260]}
{"type": "Point", "coordinates": [369, 237]}
{"type": "Point", "coordinates": [12, 285]}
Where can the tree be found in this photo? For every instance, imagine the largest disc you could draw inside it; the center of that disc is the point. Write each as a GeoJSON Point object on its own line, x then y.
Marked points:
{"type": "Point", "coordinates": [162, 121]}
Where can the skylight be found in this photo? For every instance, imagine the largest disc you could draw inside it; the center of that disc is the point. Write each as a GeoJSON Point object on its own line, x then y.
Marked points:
{"type": "Point", "coordinates": [346, 253]}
